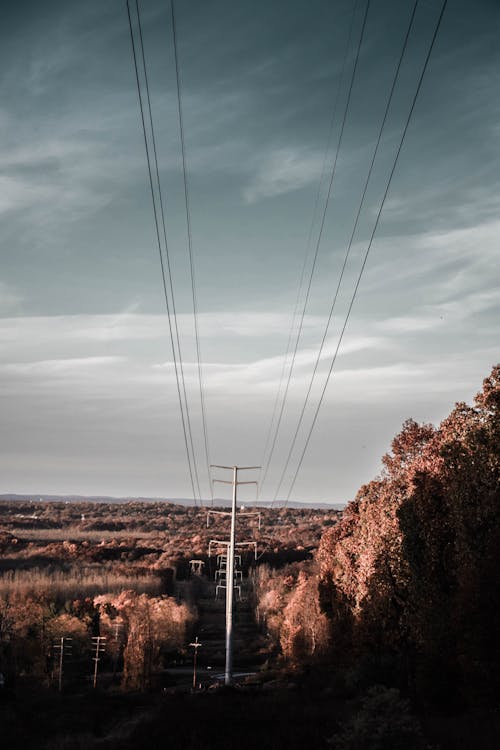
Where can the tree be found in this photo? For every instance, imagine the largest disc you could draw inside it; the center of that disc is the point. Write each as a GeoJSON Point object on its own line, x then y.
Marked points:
{"type": "Point", "coordinates": [153, 626]}
{"type": "Point", "coordinates": [411, 568]}
{"type": "Point", "coordinates": [304, 632]}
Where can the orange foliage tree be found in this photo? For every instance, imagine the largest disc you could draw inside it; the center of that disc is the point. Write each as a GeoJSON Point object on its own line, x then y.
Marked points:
{"type": "Point", "coordinates": [287, 602]}
{"type": "Point", "coordinates": [411, 568]}
{"type": "Point", "coordinates": [304, 631]}
{"type": "Point", "coordinates": [153, 626]}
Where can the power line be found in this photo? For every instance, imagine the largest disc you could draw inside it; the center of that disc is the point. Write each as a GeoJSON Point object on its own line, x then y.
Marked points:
{"type": "Point", "coordinates": [379, 213]}
{"type": "Point", "coordinates": [320, 234]}
{"type": "Point", "coordinates": [309, 237]}
{"type": "Point", "coordinates": [167, 254]}
{"type": "Point", "coordinates": [155, 213]}
{"type": "Point", "coordinates": [190, 245]}
{"type": "Point", "coordinates": [348, 251]}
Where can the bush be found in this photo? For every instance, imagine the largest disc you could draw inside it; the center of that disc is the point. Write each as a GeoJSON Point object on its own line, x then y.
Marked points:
{"type": "Point", "coordinates": [383, 722]}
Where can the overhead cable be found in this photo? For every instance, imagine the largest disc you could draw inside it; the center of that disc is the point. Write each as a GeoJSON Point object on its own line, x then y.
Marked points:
{"type": "Point", "coordinates": [320, 234]}
{"type": "Point", "coordinates": [348, 251]}
{"type": "Point", "coordinates": [158, 238]}
{"type": "Point", "coordinates": [167, 254]}
{"type": "Point", "coordinates": [379, 213]}
{"type": "Point", "coordinates": [190, 246]}
{"type": "Point", "coordinates": [309, 240]}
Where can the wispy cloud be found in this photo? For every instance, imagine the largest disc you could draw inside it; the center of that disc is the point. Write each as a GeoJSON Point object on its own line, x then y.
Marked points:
{"type": "Point", "coordinates": [59, 367]}
{"type": "Point", "coordinates": [446, 263]}
{"type": "Point", "coordinates": [453, 311]}
{"type": "Point", "coordinates": [283, 171]}
{"type": "Point", "coordinates": [10, 299]}
{"type": "Point", "coordinates": [133, 326]}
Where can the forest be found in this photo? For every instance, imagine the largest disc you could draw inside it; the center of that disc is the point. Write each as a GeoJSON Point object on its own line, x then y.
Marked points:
{"type": "Point", "coordinates": [375, 627]}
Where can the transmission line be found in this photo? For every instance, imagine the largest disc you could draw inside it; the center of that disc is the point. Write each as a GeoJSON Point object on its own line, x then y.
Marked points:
{"type": "Point", "coordinates": [320, 234]}
{"type": "Point", "coordinates": [348, 251]}
{"type": "Point", "coordinates": [167, 253]}
{"type": "Point", "coordinates": [309, 239]}
{"type": "Point", "coordinates": [363, 265]}
{"type": "Point", "coordinates": [158, 238]}
{"type": "Point", "coordinates": [190, 245]}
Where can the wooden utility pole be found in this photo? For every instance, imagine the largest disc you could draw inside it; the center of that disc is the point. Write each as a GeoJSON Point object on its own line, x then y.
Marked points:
{"type": "Point", "coordinates": [196, 645]}
{"type": "Point", "coordinates": [63, 645]}
{"type": "Point", "coordinates": [228, 675]}
{"type": "Point", "coordinates": [99, 644]}
{"type": "Point", "coordinates": [116, 643]}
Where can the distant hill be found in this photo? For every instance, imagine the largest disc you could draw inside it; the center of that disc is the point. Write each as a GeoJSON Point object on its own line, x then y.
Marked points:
{"type": "Point", "coordinates": [219, 502]}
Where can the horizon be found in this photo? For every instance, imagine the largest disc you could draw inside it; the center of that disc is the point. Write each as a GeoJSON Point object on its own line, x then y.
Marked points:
{"type": "Point", "coordinates": [48, 497]}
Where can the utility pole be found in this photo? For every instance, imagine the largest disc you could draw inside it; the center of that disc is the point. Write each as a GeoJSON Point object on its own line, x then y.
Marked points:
{"type": "Point", "coordinates": [63, 645]}
{"type": "Point", "coordinates": [196, 645]}
{"type": "Point", "coordinates": [228, 675]}
{"type": "Point", "coordinates": [116, 643]}
{"type": "Point", "coordinates": [99, 644]}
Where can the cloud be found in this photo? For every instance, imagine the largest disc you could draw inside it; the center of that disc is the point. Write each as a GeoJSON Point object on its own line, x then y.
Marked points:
{"type": "Point", "coordinates": [283, 171]}
{"type": "Point", "coordinates": [262, 376]}
{"type": "Point", "coordinates": [131, 326]}
{"type": "Point", "coordinates": [116, 356]}
{"type": "Point", "coordinates": [406, 324]}
{"type": "Point", "coordinates": [444, 264]}
{"type": "Point", "coordinates": [440, 200]}
{"type": "Point", "coordinates": [10, 299]}
{"type": "Point", "coordinates": [59, 367]}
{"type": "Point", "coordinates": [469, 305]}
{"type": "Point", "coordinates": [66, 174]}
{"type": "Point", "coordinates": [96, 347]}
{"type": "Point", "coordinates": [431, 316]}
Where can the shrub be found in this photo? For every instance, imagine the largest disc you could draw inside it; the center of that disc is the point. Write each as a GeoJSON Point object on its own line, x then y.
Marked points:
{"type": "Point", "coordinates": [383, 722]}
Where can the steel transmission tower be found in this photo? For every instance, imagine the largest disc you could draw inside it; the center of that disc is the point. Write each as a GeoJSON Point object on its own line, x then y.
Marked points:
{"type": "Point", "coordinates": [228, 675]}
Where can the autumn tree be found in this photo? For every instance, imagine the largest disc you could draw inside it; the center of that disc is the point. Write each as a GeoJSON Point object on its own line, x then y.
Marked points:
{"type": "Point", "coordinates": [153, 626]}
{"type": "Point", "coordinates": [23, 635]}
{"type": "Point", "coordinates": [410, 570]}
{"type": "Point", "coordinates": [304, 631]}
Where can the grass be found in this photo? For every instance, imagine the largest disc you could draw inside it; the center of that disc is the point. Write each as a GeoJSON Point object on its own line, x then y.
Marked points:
{"type": "Point", "coordinates": [77, 534]}
{"type": "Point", "coordinates": [75, 583]}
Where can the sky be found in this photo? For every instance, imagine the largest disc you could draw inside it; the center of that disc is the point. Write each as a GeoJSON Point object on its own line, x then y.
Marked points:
{"type": "Point", "coordinates": [88, 397]}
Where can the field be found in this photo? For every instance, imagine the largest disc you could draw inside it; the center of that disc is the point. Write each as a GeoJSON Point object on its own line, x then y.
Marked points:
{"type": "Point", "coordinates": [108, 544]}
{"type": "Point", "coordinates": [67, 556]}
{"type": "Point", "coordinates": [59, 559]}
